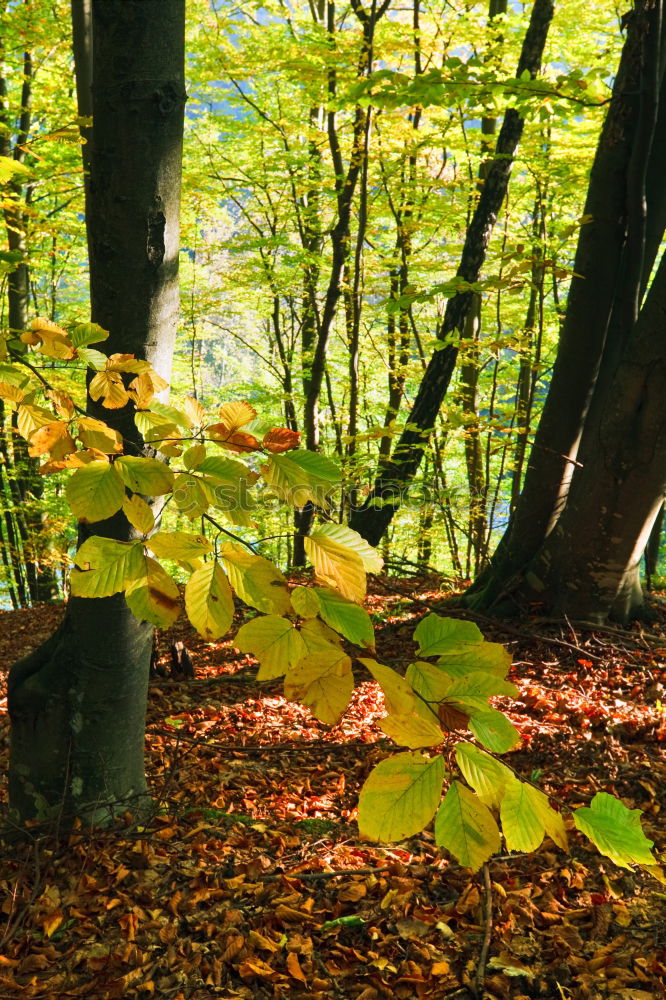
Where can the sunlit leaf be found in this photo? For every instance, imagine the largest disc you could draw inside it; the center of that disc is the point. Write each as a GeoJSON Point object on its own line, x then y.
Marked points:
{"type": "Point", "coordinates": [95, 492]}
{"type": "Point", "coordinates": [527, 816]}
{"type": "Point", "coordinates": [96, 434]}
{"type": "Point", "coordinates": [208, 601]}
{"type": "Point", "coordinates": [615, 830]}
{"type": "Point", "coordinates": [154, 597]}
{"type": "Point", "coordinates": [106, 567]}
{"type": "Point", "coordinates": [191, 496]}
{"type": "Point", "coordinates": [54, 438]}
{"type": "Point", "coordinates": [305, 602]}
{"type": "Point", "coordinates": [487, 776]}
{"type": "Point", "coordinates": [466, 828]}
{"type": "Point", "coordinates": [494, 730]}
{"type": "Point", "coordinates": [411, 730]}
{"type": "Point", "coordinates": [146, 475]}
{"type": "Point", "coordinates": [325, 685]}
{"type": "Point", "coordinates": [281, 439]}
{"type": "Point", "coordinates": [194, 410]}
{"type": "Point", "coordinates": [436, 635]}
{"type": "Point", "coordinates": [299, 476]}
{"type": "Point", "coordinates": [398, 694]}
{"type": "Point", "coordinates": [400, 797]}
{"type": "Point", "coordinates": [340, 558]}
{"type": "Point", "coordinates": [345, 617]}
{"type": "Point", "coordinates": [256, 580]}
{"type": "Point", "coordinates": [487, 657]}
{"type": "Point", "coordinates": [236, 415]}
{"type": "Point", "coordinates": [274, 642]}
{"type": "Point", "coordinates": [108, 386]}
{"type": "Point", "coordinates": [183, 546]}
{"type": "Point", "coordinates": [139, 514]}
{"type": "Point", "coordinates": [88, 333]}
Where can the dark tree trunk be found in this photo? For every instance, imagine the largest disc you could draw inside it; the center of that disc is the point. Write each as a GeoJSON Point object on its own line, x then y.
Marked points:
{"type": "Point", "coordinates": [589, 565]}
{"type": "Point", "coordinates": [394, 477]}
{"type": "Point", "coordinates": [573, 465]}
{"type": "Point", "coordinates": [78, 703]}
{"type": "Point", "coordinates": [616, 248]}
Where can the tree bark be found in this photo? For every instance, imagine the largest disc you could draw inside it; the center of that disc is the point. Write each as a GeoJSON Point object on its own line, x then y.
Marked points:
{"type": "Point", "coordinates": [78, 703]}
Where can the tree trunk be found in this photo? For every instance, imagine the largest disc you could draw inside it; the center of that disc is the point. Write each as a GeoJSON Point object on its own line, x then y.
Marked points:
{"type": "Point", "coordinates": [616, 249]}
{"type": "Point", "coordinates": [589, 565]}
{"type": "Point", "coordinates": [78, 703]}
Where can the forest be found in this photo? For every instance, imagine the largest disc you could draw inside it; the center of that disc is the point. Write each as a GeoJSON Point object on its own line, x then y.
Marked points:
{"type": "Point", "coordinates": [332, 472]}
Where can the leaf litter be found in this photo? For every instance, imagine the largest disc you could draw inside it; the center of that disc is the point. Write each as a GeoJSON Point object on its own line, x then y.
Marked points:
{"type": "Point", "coordinates": [250, 880]}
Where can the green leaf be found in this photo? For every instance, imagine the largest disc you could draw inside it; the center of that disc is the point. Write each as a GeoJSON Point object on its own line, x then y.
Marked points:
{"type": "Point", "coordinates": [527, 816]}
{"type": "Point", "coordinates": [471, 693]}
{"type": "Point", "coordinates": [398, 694]}
{"type": "Point", "coordinates": [95, 492]}
{"type": "Point", "coordinates": [324, 684]}
{"type": "Point", "coordinates": [436, 635]}
{"type": "Point", "coordinates": [146, 475]}
{"type": "Point", "coordinates": [431, 683]}
{"type": "Point", "coordinates": [225, 470]}
{"type": "Point", "coordinates": [465, 827]}
{"type": "Point", "coordinates": [487, 657]}
{"type": "Point", "coordinates": [256, 580]}
{"type": "Point", "coordinates": [154, 596]}
{"type": "Point", "coordinates": [487, 776]}
{"type": "Point", "coordinates": [340, 558]}
{"type": "Point", "coordinates": [87, 333]}
{"type": "Point", "coordinates": [153, 427]}
{"type": "Point", "coordinates": [345, 617]}
{"type": "Point", "coordinates": [299, 476]}
{"type": "Point", "coordinates": [494, 731]}
{"type": "Point", "coordinates": [106, 567]}
{"type": "Point", "coordinates": [92, 358]}
{"type": "Point", "coordinates": [208, 601]}
{"type": "Point", "coordinates": [400, 797]}
{"type": "Point", "coordinates": [615, 830]}
{"type": "Point", "coordinates": [171, 415]}
{"type": "Point", "coordinates": [305, 602]}
{"type": "Point", "coordinates": [274, 642]}
{"type": "Point", "coordinates": [183, 546]}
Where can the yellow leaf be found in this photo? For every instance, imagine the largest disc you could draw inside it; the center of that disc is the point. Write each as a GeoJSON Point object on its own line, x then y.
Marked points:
{"type": "Point", "coordinates": [51, 922]}
{"type": "Point", "coordinates": [194, 411]}
{"type": "Point", "coordinates": [96, 434]}
{"type": "Point", "coordinates": [275, 643]}
{"type": "Point", "coordinates": [62, 402]}
{"type": "Point", "coordinates": [154, 596]}
{"type": "Point", "coordinates": [209, 602]}
{"type": "Point", "coordinates": [398, 694]}
{"type": "Point", "coordinates": [139, 514]}
{"type": "Point", "coordinates": [324, 684]}
{"type": "Point", "coordinates": [11, 392]}
{"type": "Point", "coordinates": [53, 437]}
{"type": "Point", "coordinates": [336, 564]}
{"type": "Point", "coordinates": [95, 492]}
{"type": "Point", "coordinates": [236, 415]}
{"type": "Point", "coordinates": [412, 730]}
{"type": "Point", "coordinates": [108, 386]}
{"type": "Point", "coordinates": [256, 580]}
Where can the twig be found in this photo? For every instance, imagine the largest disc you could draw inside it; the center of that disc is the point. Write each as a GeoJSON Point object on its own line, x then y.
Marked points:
{"type": "Point", "coordinates": [483, 958]}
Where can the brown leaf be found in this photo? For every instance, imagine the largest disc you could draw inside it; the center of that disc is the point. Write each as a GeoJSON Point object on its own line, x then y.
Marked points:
{"type": "Point", "coordinates": [452, 718]}
{"type": "Point", "coordinates": [281, 439]}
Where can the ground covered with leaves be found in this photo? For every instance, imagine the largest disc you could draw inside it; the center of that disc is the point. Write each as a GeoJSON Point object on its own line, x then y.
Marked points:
{"type": "Point", "coordinates": [250, 879]}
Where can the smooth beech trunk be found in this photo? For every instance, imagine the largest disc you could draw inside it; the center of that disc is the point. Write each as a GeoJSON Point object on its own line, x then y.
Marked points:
{"type": "Point", "coordinates": [78, 703]}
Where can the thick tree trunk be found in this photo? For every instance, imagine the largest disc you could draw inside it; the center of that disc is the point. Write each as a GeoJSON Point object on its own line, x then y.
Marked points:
{"type": "Point", "coordinates": [616, 249]}
{"type": "Point", "coordinates": [589, 565]}
{"type": "Point", "coordinates": [78, 703]}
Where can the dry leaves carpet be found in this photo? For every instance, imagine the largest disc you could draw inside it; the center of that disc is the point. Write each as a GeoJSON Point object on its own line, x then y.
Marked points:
{"type": "Point", "coordinates": [250, 879]}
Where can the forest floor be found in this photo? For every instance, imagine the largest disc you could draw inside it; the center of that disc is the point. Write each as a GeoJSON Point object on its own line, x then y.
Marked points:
{"type": "Point", "coordinates": [251, 881]}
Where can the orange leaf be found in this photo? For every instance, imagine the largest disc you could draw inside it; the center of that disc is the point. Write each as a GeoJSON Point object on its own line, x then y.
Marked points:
{"type": "Point", "coordinates": [281, 439]}
{"type": "Point", "coordinates": [294, 967]}
{"type": "Point", "coordinates": [237, 441]}
{"type": "Point", "coordinates": [52, 921]}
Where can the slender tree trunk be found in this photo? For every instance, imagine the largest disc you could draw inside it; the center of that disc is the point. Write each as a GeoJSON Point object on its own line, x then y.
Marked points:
{"type": "Point", "coordinates": [384, 500]}
{"type": "Point", "coordinates": [78, 703]}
